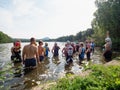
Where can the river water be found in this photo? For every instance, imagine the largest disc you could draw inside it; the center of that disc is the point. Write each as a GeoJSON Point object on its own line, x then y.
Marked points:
{"type": "Point", "coordinates": [14, 77]}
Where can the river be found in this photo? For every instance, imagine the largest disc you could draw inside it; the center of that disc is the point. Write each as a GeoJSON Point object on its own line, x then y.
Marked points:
{"type": "Point", "coordinates": [14, 77]}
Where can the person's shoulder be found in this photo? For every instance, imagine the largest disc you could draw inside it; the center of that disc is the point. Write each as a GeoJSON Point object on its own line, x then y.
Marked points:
{"type": "Point", "coordinates": [26, 45]}
{"type": "Point", "coordinates": [12, 47]}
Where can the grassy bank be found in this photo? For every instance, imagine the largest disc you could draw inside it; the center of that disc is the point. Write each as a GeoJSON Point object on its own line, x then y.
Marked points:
{"type": "Point", "coordinates": [101, 77]}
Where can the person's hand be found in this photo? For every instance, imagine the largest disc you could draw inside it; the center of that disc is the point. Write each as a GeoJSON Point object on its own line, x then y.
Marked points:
{"type": "Point", "coordinates": [39, 62]}
{"type": "Point", "coordinates": [23, 62]}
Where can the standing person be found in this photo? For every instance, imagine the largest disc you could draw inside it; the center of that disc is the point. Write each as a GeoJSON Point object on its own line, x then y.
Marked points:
{"type": "Point", "coordinates": [46, 49]}
{"type": "Point", "coordinates": [64, 50]}
{"type": "Point", "coordinates": [108, 46]}
{"type": "Point", "coordinates": [77, 48]}
{"type": "Point", "coordinates": [92, 46]}
{"type": "Point", "coordinates": [41, 51]}
{"type": "Point", "coordinates": [55, 50]}
{"type": "Point", "coordinates": [81, 53]}
{"type": "Point", "coordinates": [69, 56]}
{"type": "Point", "coordinates": [30, 54]}
{"type": "Point", "coordinates": [16, 52]}
{"type": "Point", "coordinates": [88, 50]}
{"type": "Point", "coordinates": [74, 48]}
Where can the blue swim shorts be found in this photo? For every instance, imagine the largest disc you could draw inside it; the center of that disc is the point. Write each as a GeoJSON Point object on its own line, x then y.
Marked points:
{"type": "Point", "coordinates": [30, 62]}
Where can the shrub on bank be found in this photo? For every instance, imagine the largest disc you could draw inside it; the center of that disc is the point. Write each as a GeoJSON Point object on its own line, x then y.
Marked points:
{"type": "Point", "coordinates": [101, 78]}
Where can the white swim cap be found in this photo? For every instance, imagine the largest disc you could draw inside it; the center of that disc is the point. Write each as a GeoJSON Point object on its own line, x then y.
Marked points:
{"type": "Point", "coordinates": [107, 39]}
{"type": "Point", "coordinates": [68, 42]}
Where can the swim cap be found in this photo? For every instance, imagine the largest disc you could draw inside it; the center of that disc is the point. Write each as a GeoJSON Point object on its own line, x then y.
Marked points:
{"type": "Point", "coordinates": [107, 39]}
{"type": "Point", "coordinates": [68, 42]}
{"type": "Point", "coordinates": [17, 44]}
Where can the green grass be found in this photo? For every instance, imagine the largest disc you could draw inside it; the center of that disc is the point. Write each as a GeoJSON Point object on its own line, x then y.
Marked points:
{"type": "Point", "coordinates": [101, 78]}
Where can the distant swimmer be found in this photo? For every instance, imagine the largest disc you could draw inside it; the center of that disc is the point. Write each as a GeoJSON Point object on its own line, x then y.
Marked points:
{"type": "Point", "coordinates": [30, 54]}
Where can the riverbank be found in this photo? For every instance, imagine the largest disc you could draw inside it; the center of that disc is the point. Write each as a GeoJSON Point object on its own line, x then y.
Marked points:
{"type": "Point", "coordinates": [98, 76]}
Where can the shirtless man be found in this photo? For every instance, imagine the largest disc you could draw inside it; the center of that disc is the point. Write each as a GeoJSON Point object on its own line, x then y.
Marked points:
{"type": "Point", "coordinates": [30, 54]}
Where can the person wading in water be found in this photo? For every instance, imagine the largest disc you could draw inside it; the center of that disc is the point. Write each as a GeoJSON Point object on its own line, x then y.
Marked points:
{"type": "Point", "coordinates": [16, 52]}
{"type": "Point", "coordinates": [30, 55]}
{"type": "Point", "coordinates": [107, 53]}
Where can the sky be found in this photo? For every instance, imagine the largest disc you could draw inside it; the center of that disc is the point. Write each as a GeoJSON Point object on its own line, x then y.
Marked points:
{"type": "Point", "coordinates": [45, 18]}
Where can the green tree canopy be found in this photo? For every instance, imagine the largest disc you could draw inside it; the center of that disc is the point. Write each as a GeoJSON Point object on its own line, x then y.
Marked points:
{"type": "Point", "coordinates": [107, 18]}
{"type": "Point", "coordinates": [4, 38]}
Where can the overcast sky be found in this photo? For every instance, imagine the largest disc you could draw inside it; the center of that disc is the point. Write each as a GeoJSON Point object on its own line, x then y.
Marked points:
{"type": "Point", "coordinates": [45, 18]}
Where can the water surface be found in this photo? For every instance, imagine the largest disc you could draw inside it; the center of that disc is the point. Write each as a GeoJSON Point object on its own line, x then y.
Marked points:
{"type": "Point", "coordinates": [51, 68]}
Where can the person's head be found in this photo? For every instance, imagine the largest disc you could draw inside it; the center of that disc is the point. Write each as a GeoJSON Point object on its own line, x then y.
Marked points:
{"type": "Point", "coordinates": [107, 40]}
{"type": "Point", "coordinates": [65, 44]}
{"type": "Point", "coordinates": [46, 44]}
{"type": "Point", "coordinates": [68, 42]}
{"type": "Point", "coordinates": [17, 44]}
{"type": "Point", "coordinates": [13, 43]}
{"type": "Point", "coordinates": [72, 44]}
{"type": "Point", "coordinates": [40, 42]}
{"type": "Point", "coordinates": [33, 41]}
{"type": "Point", "coordinates": [81, 44]}
{"type": "Point", "coordinates": [86, 41]}
{"type": "Point", "coordinates": [55, 44]}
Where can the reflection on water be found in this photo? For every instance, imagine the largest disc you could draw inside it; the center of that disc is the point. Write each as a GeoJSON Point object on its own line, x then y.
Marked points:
{"type": "Point", "coordinates": [52, 68]}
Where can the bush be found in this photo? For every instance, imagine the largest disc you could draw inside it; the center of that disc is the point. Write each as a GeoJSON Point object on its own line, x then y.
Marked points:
{"type": "Point", "coordinates": [101, 78]}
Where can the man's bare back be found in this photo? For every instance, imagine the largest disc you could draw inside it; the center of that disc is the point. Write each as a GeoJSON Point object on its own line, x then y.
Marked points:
{"type": "Point", "coordinates": [30, 51]}
{"type": "Point", "coordinates": [30, 54]}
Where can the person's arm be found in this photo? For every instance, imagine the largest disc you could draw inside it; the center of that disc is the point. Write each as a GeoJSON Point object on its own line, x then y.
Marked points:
{"type": "Point", "coordinates": [38, 51]}
{"type": "Point", "coordinates": [37, 55]}
{"type": "Point", "coordinates": [52, 50]}
{"type": "Point", "coordinates": [43, 51]}
{"type": "Point", "coordinates": [106, 48]}
{"type": "Point", "coordinates": [12, 50]}
{"type": "Point", "coordinates": [48, 49]}
{"type": "Point", "coordinates": [23, 55]}
{"type": "Point", "coordinates": [63, 50]}
{"type": "Point", "coordinates": [80, 50]}
{"type": "Point", "coordinates": [58, 47]}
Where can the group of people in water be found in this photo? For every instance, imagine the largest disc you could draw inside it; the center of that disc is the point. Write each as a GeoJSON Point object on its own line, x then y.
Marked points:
{"type": "Point", "coordinates": [33, 54]}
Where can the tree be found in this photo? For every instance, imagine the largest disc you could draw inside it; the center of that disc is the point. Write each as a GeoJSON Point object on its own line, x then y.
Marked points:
{"type": "Point", "coordinates": [107, 18]}
{"type": "Point", "coordinates": [4, 38]}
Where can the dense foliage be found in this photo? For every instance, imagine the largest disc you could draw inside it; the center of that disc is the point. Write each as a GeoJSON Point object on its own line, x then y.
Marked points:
{"type": "Point", "coordinates": [101, 78]}
{"type": "Point", "coordinates": [107, 18]}
{"type": "Point", "coordinates": [4, 38]}
{"type": "Point", "coordinates": [80, 36]}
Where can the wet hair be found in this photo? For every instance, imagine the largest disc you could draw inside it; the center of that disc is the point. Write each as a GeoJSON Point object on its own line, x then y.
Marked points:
{"type": "Point", "coordinates": [32, 39]}
{"type": "Point", "coordinates": [46, 44]}
{"type": "Point", "coordinates": [81, 44]}
{"type": "Point", "coordinates": [55, 43]}
{"type": "Point", "coordinates": [40, 42]}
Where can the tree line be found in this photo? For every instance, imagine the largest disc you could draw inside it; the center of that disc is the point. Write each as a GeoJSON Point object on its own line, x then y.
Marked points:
{"type": "Point", "coordinates": [4, 38]}
{"type": "Point", "coordinates": [107, 18]}
{"type": "Point", "coordinates": [80, 36]}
